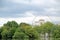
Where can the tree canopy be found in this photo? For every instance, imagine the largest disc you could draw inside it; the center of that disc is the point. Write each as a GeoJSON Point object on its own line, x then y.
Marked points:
{"type": "Point", "coordinates": [24, 31]}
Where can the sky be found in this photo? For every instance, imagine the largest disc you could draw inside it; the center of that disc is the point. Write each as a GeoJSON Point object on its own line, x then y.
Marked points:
{"type": "Point", "coordinates": [28, 10]}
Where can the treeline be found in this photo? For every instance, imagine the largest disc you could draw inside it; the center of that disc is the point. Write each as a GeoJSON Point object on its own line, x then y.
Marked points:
{"type": "Point", "coordinates": [23, 31]}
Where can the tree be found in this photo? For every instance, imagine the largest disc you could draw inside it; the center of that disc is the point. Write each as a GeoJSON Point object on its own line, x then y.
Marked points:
{"type": "Point", "coordinates": [46, 28]}
{"type": "Point", "coordinates": [56, 32]}
{"type": "Point", "coordinates": [11, 24]}
{"type": "Point", "coordinates": [4, 34]}
{"type": "Point", "coordinates": [37, 28]}
{"type": "Point", "coordinates": [33, 34]}
{"type": "Point", "coordinates": [9, 29]}
{"type": "Point", "coordinates": [0, 33]}
{"type": "Point", "coordinates": [28, 30]}
{"type": "Point", "coordinates": [12, 31]}
{"type": "Point", "coordinates": [20, 35]}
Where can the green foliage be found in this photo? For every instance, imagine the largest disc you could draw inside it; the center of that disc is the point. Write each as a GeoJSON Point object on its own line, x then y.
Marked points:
{"type": "Point", "coordinates": [8, 30]}
{"type": "Point", "coordinates": [11, 24]}
{"type": "Point", "coordinates": [46, 27]}
{"type": "Point", "coordinates": [56, 32]}
{"type": "Point", "coordinates": [37, 28]}
{"type": "Point", "coordinates": [20, 36]}
{"type": "Point", "coordinates": [29, 31]}
{"type": "Point", "coordinates": [23, 31]}
{"type": "Point", "coordinates": [0, 33]}
{"type": "Point", "coordinates": [33, 34]}
{"type": "Point", "coordinates": [4, 34]}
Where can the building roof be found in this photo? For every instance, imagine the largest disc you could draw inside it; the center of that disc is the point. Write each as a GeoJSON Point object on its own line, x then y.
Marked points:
{"type": "Point", "coordinates": [41, 20]}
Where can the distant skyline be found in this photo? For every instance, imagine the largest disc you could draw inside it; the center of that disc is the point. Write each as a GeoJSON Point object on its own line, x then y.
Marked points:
{"type": "Point", "coordinates": [26, 10]}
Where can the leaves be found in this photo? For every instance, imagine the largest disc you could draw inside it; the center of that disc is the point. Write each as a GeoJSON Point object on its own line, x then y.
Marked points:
{"type": "Point", "coordinates": [23, 31]}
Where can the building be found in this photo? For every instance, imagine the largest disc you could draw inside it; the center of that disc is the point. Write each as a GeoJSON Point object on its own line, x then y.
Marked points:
{"type": "Point", "coordinates": [40, 22]}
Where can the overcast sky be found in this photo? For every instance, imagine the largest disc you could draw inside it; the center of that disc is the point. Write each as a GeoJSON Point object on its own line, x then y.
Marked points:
{"type": "Point", "coordinates": [27, 10]}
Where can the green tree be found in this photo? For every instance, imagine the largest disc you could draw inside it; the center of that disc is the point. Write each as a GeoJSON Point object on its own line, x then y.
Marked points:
{"type": "Point", "coordinates": [28, 30]}
{"type": "Point", "coordinates": [33, 34]}
{"type": "Point", "coordinates": [56, 32]}
{"type": "Point", "coordinates": [11, 24]}
{"type": "Point", "coordinates": [9, 29]}
{"type": "Point", "coordinates": [46, 28]}
{"type": "Point", "coordinates": [20, 35]}
{"type": "Point", "coordinates": [0, 33]}
{"type": "Point", "coordinates": [4, 34]}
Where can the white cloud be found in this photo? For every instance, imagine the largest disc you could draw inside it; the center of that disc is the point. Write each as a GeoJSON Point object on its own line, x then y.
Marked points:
{"type": "Point", "coordinates": [51, 11]}
{"type": "Point", "coordinates": [18, 20]}
{"type": "Point", "coordinates": [38, 2]}
{"type": "Point", "coordinates": [30, 14]}
{"type": "Point", "coordinates": [51, 7]}
{"type": "Point", "coordinates": [34, 2]}
{"type": "Point", "coordinates": [27, 14]}
{"type": "Point", "coordinates": [29, 20]}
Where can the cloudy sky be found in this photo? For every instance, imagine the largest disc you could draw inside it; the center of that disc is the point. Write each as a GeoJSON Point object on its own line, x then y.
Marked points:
{"type": "Point", "coordinates": [27, 10]}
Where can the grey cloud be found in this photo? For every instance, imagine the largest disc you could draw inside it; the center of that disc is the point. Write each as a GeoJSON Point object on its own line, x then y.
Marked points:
{"type": "Point", "coordinates": [13, 8]}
